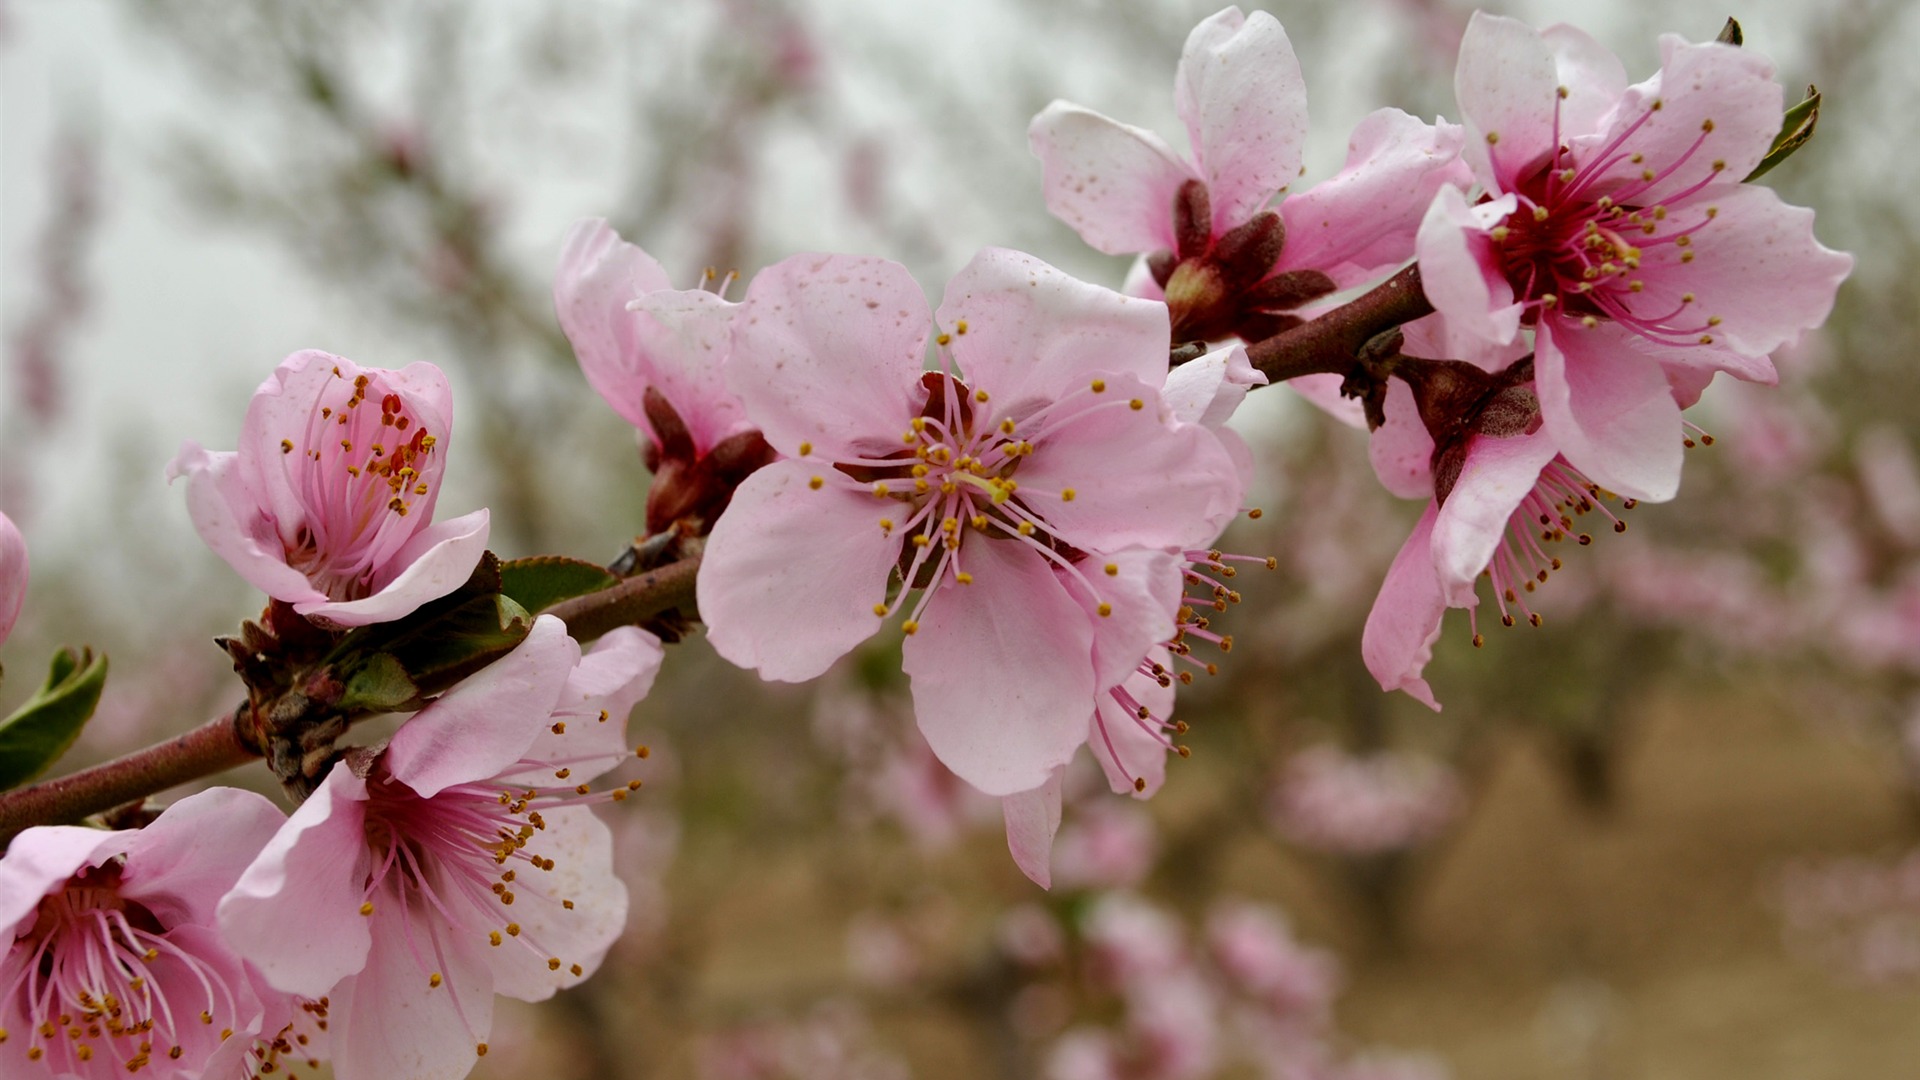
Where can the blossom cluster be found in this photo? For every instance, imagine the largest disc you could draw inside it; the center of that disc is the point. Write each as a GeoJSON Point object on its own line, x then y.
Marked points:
{"type": "Point", "coordinates": [1030, 481]}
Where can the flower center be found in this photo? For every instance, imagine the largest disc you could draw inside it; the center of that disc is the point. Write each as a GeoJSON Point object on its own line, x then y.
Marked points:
{"type": "Point", "coordinates": [364, 463]}
{"type": "Point", "coordinates": [1582, 231]}
{"type": "Point", "coordinates": [97, 976]}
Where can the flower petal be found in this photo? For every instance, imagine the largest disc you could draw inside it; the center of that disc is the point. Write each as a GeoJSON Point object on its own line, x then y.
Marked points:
{"type": "Point", "coordinates": [1112, 183]}
{"type": "Point", "coordinates": [1497, 475]}
{"type": "Point", "coordinates": [226, 514]}
{"type": "Point", "coordinates": [682, 338]}
{"type": "Point", "coordinates": [310, 876]}
{"type": "Point", "coordinates": [602, 690]}
{"type": "Point", "coordinates": [1362, 221]}
{"type": "Point", "coordinates": [1141, 589]}
{"type": "Point", "coordinates": [599, 274]}
{"type": "Point", "coordinates": [828, 350]}
{"type": "Point", "coordinates": [1002, 670]}
{"type": "Point", "coordinates": [1033, 817]}
{"type": "Point", "coordinates": [1323, 392]}
{"type": "Point", "coordinates": [13, 574]}
{"type": "Point", "coordinates": [436, 561]}
{"type": "Point", "coordinates": [1137, 480]}
{"type": "Point", "coordinates": [1611, 412]}
{"type": "Point", "coordinates": [388, 1021]}
{"type": "Point", "coordinates": [40, 860]}
{"type": "Point", "coordinates": [1506, 83]}
{"type": "Point", "coordinates": [1459, 271]}
{"type": "Point", "coordinates": [1401, 450]}
{"type": "Point", "coordinates": [1208, 390]}
{"type": "Point", "coordinates": [1240, 92]}
{"type": "Point", "coordinates": [180, 866]}
{"type": "Point", "coordinates": [487, 721]}
{"type": "Point", "coordinates": [1034, 334]}
{"type": "Point", "coordinates": [1134, 759]}
{"type": "Point", "coordinates": [1594, 78]}
{"type": "Point", "coordinates": [791, 574]}
{"type": "Point", "coordinates": [581, 848]}
{"type": "Point", "coordinates": [1405, 620]}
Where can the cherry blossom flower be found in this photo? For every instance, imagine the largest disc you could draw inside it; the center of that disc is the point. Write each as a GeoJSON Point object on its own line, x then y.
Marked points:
{"type": "Point", "coordinates": [13, 575]}
{"type": "Point", "coordinates": [113, 966]}
{"type": "Point", "coordinates": [461, 861]}
{"type": "Point", "coordinates": [1038, 451]}
{"type": "Point", "coordinates": [1617, 227]}
{"type": "Point", "coordinates": [328, 503]}
{"type": "Point", "coordinates": [1335, 802]}
{"type": "Point", "coordinates": [655, 354]}
{"type": "Point", "coordinates": [1226, 263]}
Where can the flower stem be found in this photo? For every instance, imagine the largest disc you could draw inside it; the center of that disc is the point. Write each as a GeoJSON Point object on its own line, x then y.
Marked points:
{"type": "Point", "coordinates": [633, 601]}
{"type": "Point", "coordinates": [212, 747]}
{"type": "Point", "coordinates": [1331, 343]}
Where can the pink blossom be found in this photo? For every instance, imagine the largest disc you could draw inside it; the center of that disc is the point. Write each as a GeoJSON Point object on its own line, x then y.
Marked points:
{"type": "Point", "coordinates": [1229, 265]}
{"type": "Point", "coordinates": [655, 354]}
{"type": "Point", "coordinates": [459, 862]}
{"type": "Point", "coordinates": [1335, 802]}
{"type": "Point", "coordinates": [1110, 845]}
{"type": "Point", "coordinates": [1039, 450]}
{"type": "Point", "coordinates": [328, 503]}
{"type": "Point", "coordinates": [1254, 946]}
{"type": "Point", "coordinates": [13, 575]}
{"type": "Point", "coordinates": [113, 965]}
{"type": "Point", "coordinates": [1617, 228]}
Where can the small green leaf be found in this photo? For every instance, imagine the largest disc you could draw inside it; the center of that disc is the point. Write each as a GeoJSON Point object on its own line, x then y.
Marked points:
{"type": "Point", "coordinates": [542, 581]}
{"type": "Point", "coordinates": [42, 729]}
{"type": "Point", "coordinates": [440, 653]}
{"type": "Point", "coordinates": [1794, 133]}
{"type": "Point", "coordinates": [1730, 34]}
{"type": "Point", "coordinates": [382, 685]}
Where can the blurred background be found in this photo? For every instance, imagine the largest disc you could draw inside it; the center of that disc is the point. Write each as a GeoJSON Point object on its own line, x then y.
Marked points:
{"type": "Point", "coordinates": [1672, 833]}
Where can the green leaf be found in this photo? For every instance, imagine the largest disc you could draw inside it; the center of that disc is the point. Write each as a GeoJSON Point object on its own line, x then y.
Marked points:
{"type": "Point", "coordinates": [542, 581]}
{"type": "Point", "coordinates": [1794, 133]}
{"type": "Point", "coordinates": [381, 685]}
{"type": "Point", "coordinates": [437, 654]}
{"type": "Point", "coordinates": [42, 729]}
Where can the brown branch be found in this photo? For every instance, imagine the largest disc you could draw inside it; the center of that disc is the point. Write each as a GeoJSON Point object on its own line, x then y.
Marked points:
{"type": "Point", "coordinates": [636, 600]}
{"type": "Point", "coordinates": [1330, 343]}
{"type": "Point", "coordinates": [213, 747]}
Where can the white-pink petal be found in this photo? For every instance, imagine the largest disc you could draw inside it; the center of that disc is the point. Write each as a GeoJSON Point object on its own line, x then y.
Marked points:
{"type": "Point", "coordinates": [181, 865]}
{"type": "Point", "coordinates": [1028, 334]}
{"type": "Point", "coordinates": [1612, 414]}
{"type": "Point", "coordinates": [386, 1021]}
{"type": "Point", "coordinates": [229, 519]}
{"type": "Point", "coordinates": [1112, 183]}
{"type": "Point", "coordinates": [1497, 475]}
{"type": "Point", "coordinates": [437, 560]}
{"type": "Point", "coordinates": [13, 574]}
{"type": "Point", "coordinates": [792, 572]}
{"type": "Point", "coordinates": [581, 848]}
{"type": "Point", "coordinates": [1241, 95]}
{"type": "Point", "coordinates": [599, 274]}
{"type": "Point", "coordinates": [1459, 270]}
{"type": "Point", "coordinates": [1401, 450]}
{"type": "Point", "coordinates": [487, 721]}
{"type": "Point", "coordinates": [827, 350]}
{"type": "Point", "coordinates": [1208, 390]}
{"type": "Point", "coordinates": [1140, 590]}
{"type": "Point", "coordinates": [1127, 752]}
{"type": "Point", "coordinates": [1032, 819]}
{"type": "Point", "coordinates": [1506, 82]}
{"type": "Point", "coordinates": [1406, 616]}
{"type": "Point", "coordinates": [1002, 670]}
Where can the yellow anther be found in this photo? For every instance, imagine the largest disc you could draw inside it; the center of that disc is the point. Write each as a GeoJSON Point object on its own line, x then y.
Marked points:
{"type": "Point", "coordinates": [366, 908]}
{"type": "Point", "coordinates": [944, 338]}
{"type": "Point", "coordinates": [1713, 320]}
{"type": "Point", "coordinates": [1686, 298]}
{"type": "Point", "coordinates": [1540, 213]}
{"type": "Point", "coordinates": [963, 577]}
{"type": "Point", "coordinates": [1706, 125]}
{"type": "Point", "coordinates": [817, 483]}
{"type": "Point", "coordinates": [1719, 166]}
{"type": "Point", "coordinates": [1493, 138]}
{"type": "Point", "coordinates": [978, 521]}
{"type": "Point", "coordinates": [949, 525]}
{"type": "Point", "coordinates": [880, 610]}
{"type": "Point", "coordinates": [1026, 528]}
{"type": "Point", "coordinates": [960, 327]}
{"type": "Point", "coordinates": [1686, 256]}
{"type": "Point", "coordinates": [886, 525]}
{"type": "Point", "coordinates": [1500, 233]}
{"type": "Point", "coordinates": [480, 1049]}
{"type": "Point", "coordinates": [433, 981]}
{"type": "Point", "coordinates": [286, 446]}
{"type": "Point", "coordinates": [806, 448]}
{"type": "Point", "coordinates": [1106, 609]}
{"type": "Point", "coordinates": [1706, 339]}
{"type": "Point", "coordinates": [909, 627]}
{"type": "Point", "coordinates": [1006, 426]}
{"type": "Point", "coordinates": [1136, 404]}
{"type": "Point", "coordinates": [553, 963]}
{"type": "Point", "coordinates": [1099, 386]}
{"type": "Point", "coordinates": [1713, 212]}
{"type": "Point", "coordinates": [1562, 91]}
{"type": "Point", "coordinates": [1589, 322]}
{"type": "Point", "coordinates": [513, 929]}
{"type": "Point", "coordinates": [1113, 569]}
{"type": "Point", "coordinates": [880, 488]}
{"type": "Point", "coordinates": [980, 396]}
{"type": "Point", "coordinates": [1066, 494]}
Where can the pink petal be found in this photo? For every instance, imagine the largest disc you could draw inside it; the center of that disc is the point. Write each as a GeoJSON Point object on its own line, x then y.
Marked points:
{"type": "Point", "coordinates": [1594, 78]}
{"type": "Point", "coordinates": [1401, 450]}
{"type": "Point", "coordinates": [791, 574]}
{"type": "Point", "coordinates": [1141, 755]}
{"type": "Point", "coordinates": [1506, 83]}
{"type": "Point", "coordinates": [1033, 817]}
{"type": "Point", "coordinates": [1405, 620]}
{"type": "Point", "coordinates": [1611, 412]}
{"type": "Point", "coordinates": [1459, 271]}
{"type": "Point", "coordinates": [1729, 87]}
{"type": "Point", "coordinates": [1002, 670]}
{"type": "Point", "coordinates": [228, 516]}
{"type": "Point", "coordinates": [310, 876]}
{"type": "Point", "coordinates": [683, 338]}
{"type": "Point", "coordinates": [39, 861]}
{"type": "Point", "coordinates": [1112, 183]}
{"type": "Point", "coordinates": [485, 723]}
{"type": "Point", "coordinates": [581, 848]}
{"type": "Point", "coordinates": [611, 678]}
{"type": "Point", "coordinates": [185, 861]}
{"type": "Point", "coordinates": [1438, 338]}
{"type": "Point", "coordinates": [1362, 221]}
{"type": "Point", "coordinates": [1758, 269]}
{"type": "Point", "coordinates": [1208, 390]}
{"type": "Point", "coordinates": [13, 574]}
{"type": "Point", "coordinates": [1034, 334]}
{"type": "Point", "coordinates": [1323, 391]}
{"type": "Point", "coordinates": [437, 560]}
{"type": "Point", "coordinates": [828, 350]}
{"type": "Point", "coordinates": [1241, 95]}
{"type": "Point", "coordinates": [1137, 480]}
{"type": "Point", "coordinates": [1497, 475]}
{"type": "Point", "coordinates": [599, 273]}
{"type": "Point", "coordinates": [1141, 588]}
{"type": "Point", "coordinates": [387, 1021]}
